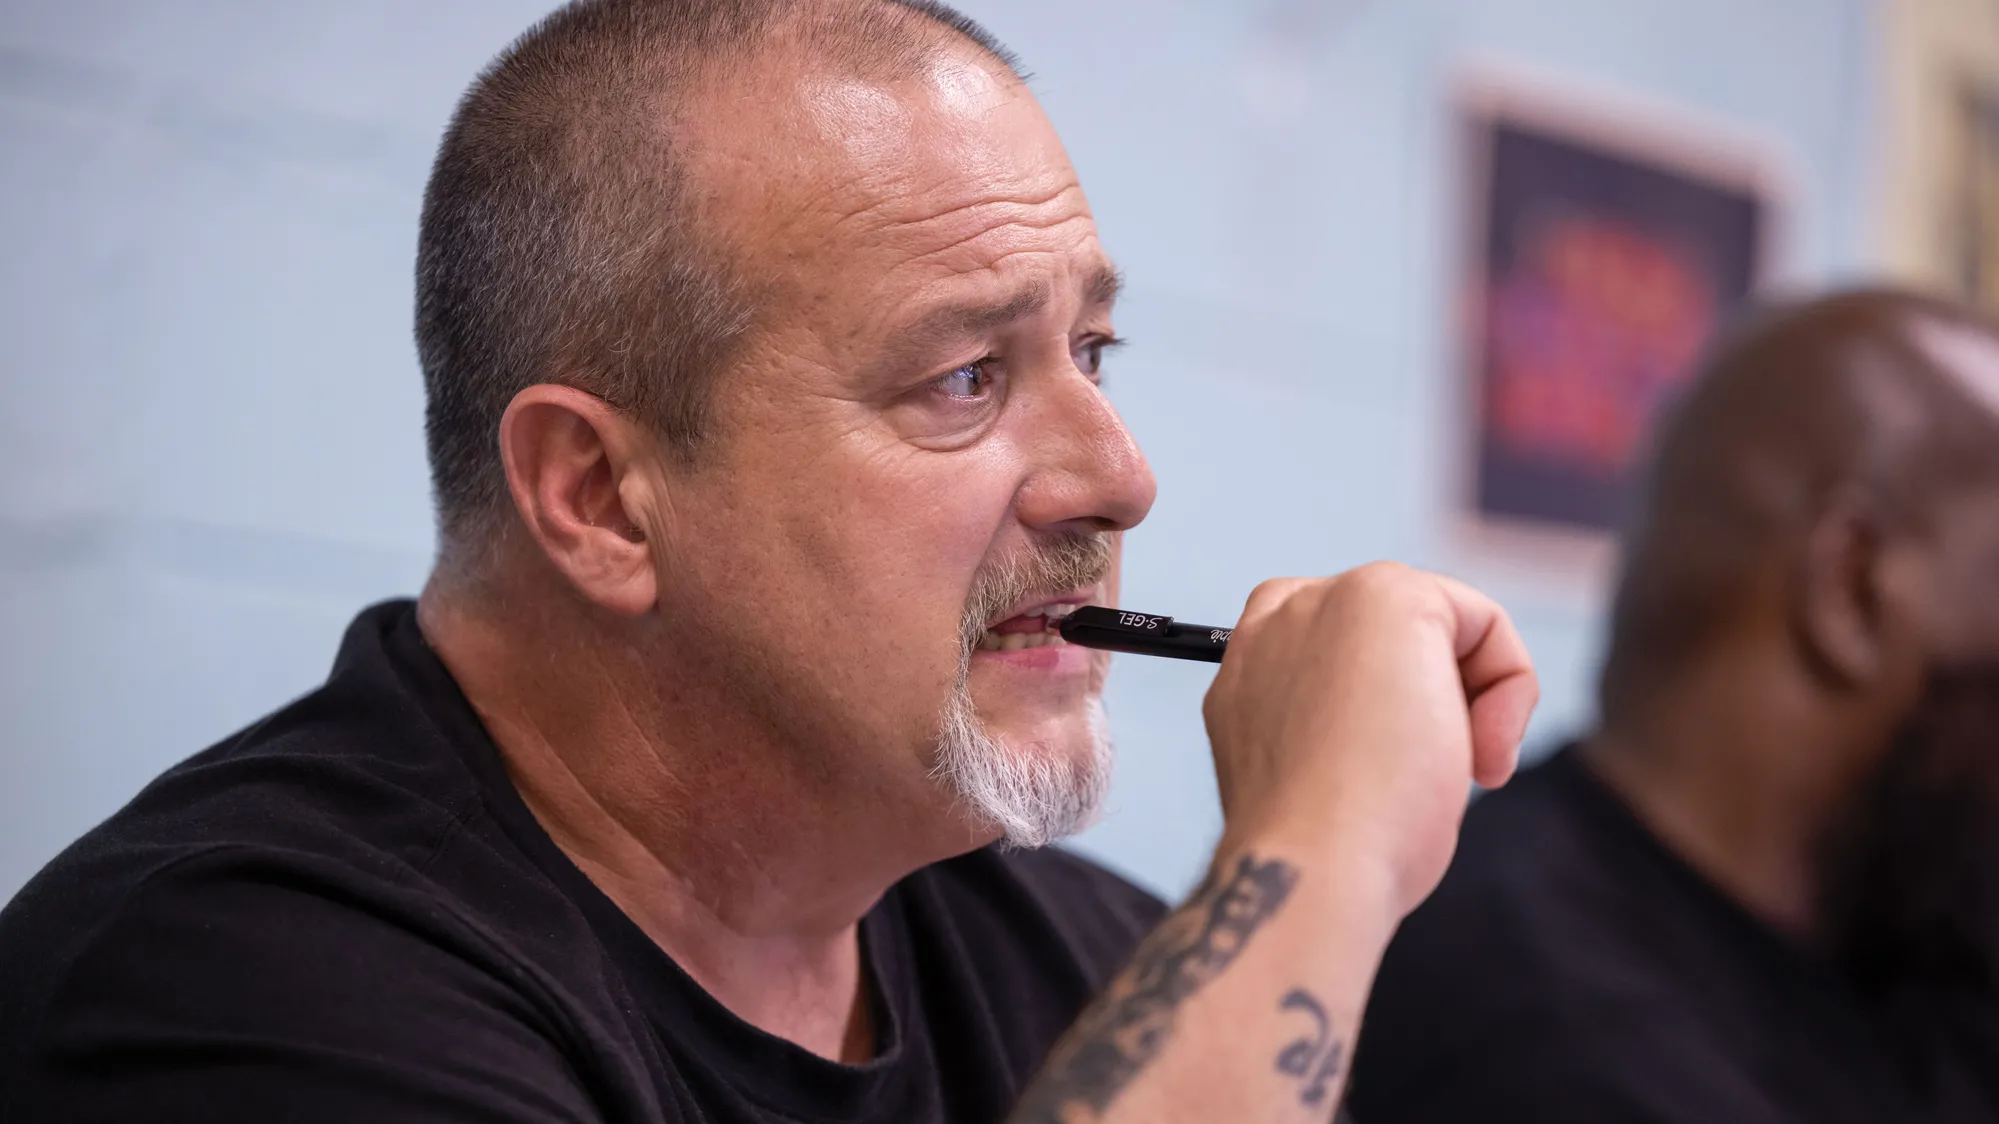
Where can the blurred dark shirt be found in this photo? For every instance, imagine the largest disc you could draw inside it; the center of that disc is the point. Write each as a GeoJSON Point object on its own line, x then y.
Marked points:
{"type": "Point", "coordinates": [1571, 968]}
{"type": "Point", "coordinates": [346, 913]}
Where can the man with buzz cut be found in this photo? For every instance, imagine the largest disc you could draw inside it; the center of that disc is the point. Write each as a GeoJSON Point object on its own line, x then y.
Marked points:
{"type": "Point", "coordinates": [710, 776]}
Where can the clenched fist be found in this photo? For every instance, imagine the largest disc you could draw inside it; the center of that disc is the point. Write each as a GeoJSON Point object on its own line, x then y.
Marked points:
{"type": "Point", "coordinates": [1353, 712]}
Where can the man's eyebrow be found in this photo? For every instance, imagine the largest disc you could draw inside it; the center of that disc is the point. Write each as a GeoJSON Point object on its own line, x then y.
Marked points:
{"type": "Point", "coordinates": [958, 320]}
{"type": "Point", "coordinates": [1101, 287]}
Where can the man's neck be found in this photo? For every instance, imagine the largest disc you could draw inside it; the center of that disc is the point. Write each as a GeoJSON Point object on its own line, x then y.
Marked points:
{"type": "Point", "coordinates": [1740, 781]}
{"type": "Point", "coordinates": [749, 878]}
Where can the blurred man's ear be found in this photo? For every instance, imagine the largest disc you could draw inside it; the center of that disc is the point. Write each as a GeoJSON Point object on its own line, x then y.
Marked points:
{"type": "Point", "coordinates": [570, 462]}
{"type": "Point", "coordinates": [1843, 609]}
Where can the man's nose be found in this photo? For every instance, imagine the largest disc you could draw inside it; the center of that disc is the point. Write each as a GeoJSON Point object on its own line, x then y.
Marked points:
{"type": "Point", "coordinates": [1088, 470]}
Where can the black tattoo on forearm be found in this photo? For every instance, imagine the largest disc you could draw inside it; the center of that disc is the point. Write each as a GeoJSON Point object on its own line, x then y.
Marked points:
{"type": "Point", "coordinates": [1316, 1057]}
{"type": "Point", "coordinates": [1129, 1024]}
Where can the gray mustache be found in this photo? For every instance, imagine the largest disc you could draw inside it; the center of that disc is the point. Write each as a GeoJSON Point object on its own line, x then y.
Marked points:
{"type": "Point", "coordinates": [1054, 566]}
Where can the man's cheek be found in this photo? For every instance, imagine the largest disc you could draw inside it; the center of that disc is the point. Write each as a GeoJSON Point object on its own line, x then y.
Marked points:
{"type": "Point", "coordinates": [966, 537]}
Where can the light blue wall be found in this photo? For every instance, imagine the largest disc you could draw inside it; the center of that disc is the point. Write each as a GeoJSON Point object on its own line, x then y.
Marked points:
{"type": "Point", "coordinates": [210, 447]}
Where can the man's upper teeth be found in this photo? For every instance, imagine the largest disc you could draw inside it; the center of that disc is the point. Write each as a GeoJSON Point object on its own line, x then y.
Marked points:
{"type": "Point", "coordinates": [1050, 611]}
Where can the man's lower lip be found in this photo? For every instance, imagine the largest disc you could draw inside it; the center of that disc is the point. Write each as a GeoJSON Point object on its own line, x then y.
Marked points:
{"type": "Point", "coordinates": [1049, 657]}
{"type": "Point", "coordinates": [1014, 640]}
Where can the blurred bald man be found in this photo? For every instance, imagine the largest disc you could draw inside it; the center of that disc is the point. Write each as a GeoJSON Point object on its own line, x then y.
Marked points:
{"type": "Point", "coordinates": [1767, 889]}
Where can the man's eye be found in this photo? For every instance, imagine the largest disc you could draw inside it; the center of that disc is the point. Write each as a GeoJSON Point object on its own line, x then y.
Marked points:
{"type": "Point", "coordinates": [971, 381]}
{"type": "Point", "coordinates": [1089, 355]}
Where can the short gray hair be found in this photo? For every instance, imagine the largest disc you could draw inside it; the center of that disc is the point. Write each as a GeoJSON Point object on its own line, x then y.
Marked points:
{"type": "Point", "coordinates": [558, 243]}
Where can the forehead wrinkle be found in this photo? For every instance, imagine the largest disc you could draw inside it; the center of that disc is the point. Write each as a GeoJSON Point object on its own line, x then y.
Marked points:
{"type": "Point", "coordinates": [839, 236]}
{"type": "Point", "coordinates": [1099, 288]}
{"type": "Point", "coordinates": [1021, 211]}
{"type": "Point", "coordinates": [1018, 224]}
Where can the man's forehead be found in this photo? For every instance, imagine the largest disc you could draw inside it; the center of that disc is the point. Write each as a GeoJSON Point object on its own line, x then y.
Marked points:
{"type": "Point", "coordinates": [876, 117]}
{"type": "Point", "coordinates": [817, 159]}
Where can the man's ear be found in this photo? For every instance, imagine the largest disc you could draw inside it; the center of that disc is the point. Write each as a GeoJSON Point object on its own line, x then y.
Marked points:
{"type": "Point", "coordinates": [1844, 607]}
{"type": "Point", "coordinates": [569, 459]}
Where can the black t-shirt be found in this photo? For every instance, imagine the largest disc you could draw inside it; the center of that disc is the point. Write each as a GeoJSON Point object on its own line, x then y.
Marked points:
{"type": "Point", "coordinates": [1571, 968]}
{"type": "Point", "coordinates": [346, 913]}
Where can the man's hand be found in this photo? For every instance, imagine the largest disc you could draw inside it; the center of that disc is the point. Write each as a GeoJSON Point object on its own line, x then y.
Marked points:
{"type": "Point", "coordinates": [1349, 720]}
{"type": "Point", "coordinates": [1351, 712]}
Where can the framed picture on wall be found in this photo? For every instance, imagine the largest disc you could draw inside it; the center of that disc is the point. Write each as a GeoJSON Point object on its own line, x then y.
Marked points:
{"type": "Point", "coordinates": [1971, 219]}
{"type": "Point", "coordinates": [1940, 146]}
{"type": "Point", "coordinates": [1608, 243]}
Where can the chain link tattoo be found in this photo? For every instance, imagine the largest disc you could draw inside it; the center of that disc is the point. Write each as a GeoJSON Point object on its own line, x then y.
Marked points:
{"type": "Point", "coordinates": [1125, 1029]}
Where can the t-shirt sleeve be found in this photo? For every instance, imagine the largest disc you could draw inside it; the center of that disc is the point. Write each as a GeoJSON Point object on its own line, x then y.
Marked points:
{"type": "Point", "coordinates": [227, 989]}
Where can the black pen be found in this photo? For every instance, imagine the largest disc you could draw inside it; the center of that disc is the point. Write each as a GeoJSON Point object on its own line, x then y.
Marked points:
{"type": "Point", "coordinates": [1146, 634]}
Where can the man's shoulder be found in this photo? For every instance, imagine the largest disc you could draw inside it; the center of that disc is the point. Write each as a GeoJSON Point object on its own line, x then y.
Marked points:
{"type": "Point", "coordinates": [1553, 844]}
{"type": "Point", "coordinates": [1532, 917]}
{"type": "Point", "coordinates": [1547, 941]}
{"type": "Point", "coordinates": [1547, 867]}
{"type": "Point", "coordinates": [1608, 1061]}
{"type": "Point", "coordinates": [292, 789]}
{"type": "Point", "coordinates": [330, 774]}
{"type": "Point", "coordinates": [347, 792]}
{"type": "Point", "coordinates": [317, 976]}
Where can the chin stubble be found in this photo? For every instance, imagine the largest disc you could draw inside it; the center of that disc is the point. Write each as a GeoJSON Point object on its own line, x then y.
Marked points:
{"type": "Point", "coordinates": [1032, 794]}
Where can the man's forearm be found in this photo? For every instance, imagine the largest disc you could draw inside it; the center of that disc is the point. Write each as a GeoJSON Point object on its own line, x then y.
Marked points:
{"type": "Point", "coordinates": [1243, 1004]}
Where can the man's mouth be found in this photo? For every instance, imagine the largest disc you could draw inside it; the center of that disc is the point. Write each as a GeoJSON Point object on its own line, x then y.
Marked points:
{"type": "Point", "coordinates": [1032, 627]}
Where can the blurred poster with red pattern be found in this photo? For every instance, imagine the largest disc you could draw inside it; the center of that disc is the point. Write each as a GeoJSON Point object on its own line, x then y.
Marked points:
{"type": "Point", "coordinates": [1602, 273]}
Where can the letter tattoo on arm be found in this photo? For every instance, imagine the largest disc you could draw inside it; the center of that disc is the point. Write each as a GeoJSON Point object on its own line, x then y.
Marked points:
{"type": "Point", "coordinates": [1120, 1034]}
{"type": "Point", "coordinates": [1316, 1057]}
